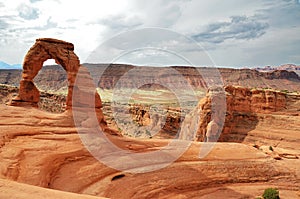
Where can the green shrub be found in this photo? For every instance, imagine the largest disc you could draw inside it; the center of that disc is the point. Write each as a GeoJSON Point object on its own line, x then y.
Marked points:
{"type": "Point", "coordinates": [284, 91]}
{"type": "Point", "coordinates": [271, 193]}
{"type": "Point", "coordinates": [271, 148]}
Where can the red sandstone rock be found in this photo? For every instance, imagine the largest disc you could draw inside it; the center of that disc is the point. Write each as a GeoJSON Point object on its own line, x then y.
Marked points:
{"type": "Point", "coordinates": [43, 149]}
{"type": "Point", "coordinates": [28, 92]}
{"type": "Point", "coordinates": [86, 100]}
{"type": "Point", "coordinates": [63, 54]}
{"type": "Point", "coordinates": [14, 190]}
{"type": "Point", "coordinates": [241, 106]}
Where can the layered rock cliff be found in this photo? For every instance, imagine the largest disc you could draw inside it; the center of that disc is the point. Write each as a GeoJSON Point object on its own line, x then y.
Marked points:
{"type": "Point", "coordinates": [54, 78]}
{"type": "Point", "coordinates": [266, 119]}
{"type": "Point", "coordinates": [242, 108]}
{"type": "Point", "coordinates": [247, 111]}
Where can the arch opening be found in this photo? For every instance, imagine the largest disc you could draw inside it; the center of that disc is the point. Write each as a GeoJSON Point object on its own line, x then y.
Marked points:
{"type": "Point", "coordinates": [52, 83]}
{"type": "Point", "coordinates": [46, 49]}
{"type": "Point", "coordinates": [49, 62]}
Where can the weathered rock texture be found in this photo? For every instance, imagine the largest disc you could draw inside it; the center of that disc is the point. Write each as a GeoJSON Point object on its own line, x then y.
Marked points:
{"type": "Point", "coordinates": [63, 54]}
{"type": "Point", "coordinates": [15, 190]}
{"type": "Point", "coordinates": [54, 103]}
{"type": "Point", "coordinates": [160, 123]}
{"type": "Point", "coordinates": [246, 109]}
{"type": "Point", "coordinates": [242, 107]}
{"type": "Point", "coordinates": [254, 100]}
{"type": "Point", "coordinates": [43, 149]}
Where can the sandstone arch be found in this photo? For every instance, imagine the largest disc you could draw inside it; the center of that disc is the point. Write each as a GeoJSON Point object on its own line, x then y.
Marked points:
{"type": "Point", "coordinates": [43, 49]}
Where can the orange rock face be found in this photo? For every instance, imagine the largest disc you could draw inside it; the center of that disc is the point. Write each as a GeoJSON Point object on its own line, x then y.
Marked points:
{"type": "Point", "coordinates": [253, 100]}
{"type": "Point", "coordinates": [241, 108]}
{"type": "Point", "coordinates": [45, 150]}
{"type": "Point", "coordinates": [43, 49]}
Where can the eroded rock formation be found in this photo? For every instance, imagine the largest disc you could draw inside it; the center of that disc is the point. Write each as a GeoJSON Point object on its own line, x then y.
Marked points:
{"type": "Point", "coordinates": [43, 49]}
{"type": "Point", "coordinates": [43, 149]}
{"type": "Point", "coordinates": [242, 107]}
{"type": "Point", "coordinates": [254, 100]}
{"type": "Point", "coordinates": [54, 103]}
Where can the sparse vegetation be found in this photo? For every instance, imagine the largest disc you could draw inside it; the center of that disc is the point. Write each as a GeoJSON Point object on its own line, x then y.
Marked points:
{"type": "Point", "coordinates": [271, 148]}
{"type": "Point", "coordinates": [267, 88]}
{"type": "Point", "coordinates": [271, 193]}
{"type": "Point", "coordinates": [148, 133]}
{"type": "Point", "coordinates": [284, 91]}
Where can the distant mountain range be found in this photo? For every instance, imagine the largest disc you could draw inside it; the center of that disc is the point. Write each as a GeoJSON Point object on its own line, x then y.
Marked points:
{"type": "Point", "coordinates": [54, 78]}
{"type": "Point", "coordinates": [282, 67]}
{"type": "Point", "coordinates": [287, 67]}
{"type": "Point", "coordinates": [4, 65]}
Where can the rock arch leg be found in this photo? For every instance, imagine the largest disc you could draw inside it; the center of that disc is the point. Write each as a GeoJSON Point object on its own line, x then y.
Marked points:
{"type": "Point", "coordinates": [43, 49]}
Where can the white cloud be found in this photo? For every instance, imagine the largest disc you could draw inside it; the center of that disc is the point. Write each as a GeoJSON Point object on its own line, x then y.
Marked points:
{"type": "Point", "coordinates": [89, 23]}
{"type": "Point", "coordinates": [28, 12]}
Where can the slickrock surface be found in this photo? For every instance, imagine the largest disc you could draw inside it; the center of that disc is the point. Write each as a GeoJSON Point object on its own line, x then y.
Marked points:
{"type": "Point", "coordinates": [42, 155]}
{"type": "Point", "coordinates": [44, 149]}
{"type": "Point", "coordinates": [11, 189]}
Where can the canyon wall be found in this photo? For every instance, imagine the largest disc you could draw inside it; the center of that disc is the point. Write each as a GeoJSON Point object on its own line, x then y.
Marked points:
{"type": "Point", "coordinates": [247, 110]}
{"type": "Point", "coordinates": [242, 108]}
{"type": "Point", "coordinates": [54, 78]}
{"type": "Point", "coordinates": [241, 112]}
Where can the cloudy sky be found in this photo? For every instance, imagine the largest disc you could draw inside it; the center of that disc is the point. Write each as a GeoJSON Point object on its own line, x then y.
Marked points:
{"type": "Point", "coordinates": [235, 33]}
